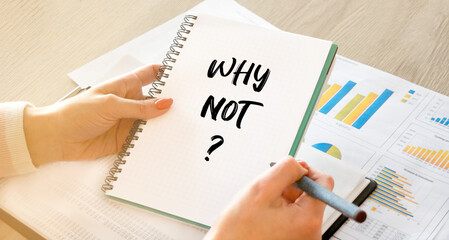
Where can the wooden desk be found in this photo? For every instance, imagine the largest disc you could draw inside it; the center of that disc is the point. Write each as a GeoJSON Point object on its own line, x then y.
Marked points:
{"type": "Point", "coordinates": [42, 41]}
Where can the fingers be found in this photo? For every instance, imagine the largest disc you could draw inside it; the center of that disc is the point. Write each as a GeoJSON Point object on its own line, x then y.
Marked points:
{"type": "Point", "coordinates": [147, 74]}
{"type": "Point", "coordinates": [291, 193]}
{"type": "Point", "coordinates": [282, 175]}
{"type": "Point", "coordinates": [323, 179]}
{"type": "Point", "coordinates": [315, 206]}
{"type": "Point", "coordinates": [138, 109]}
{"type": "Point", "coordinates": [130, 85]}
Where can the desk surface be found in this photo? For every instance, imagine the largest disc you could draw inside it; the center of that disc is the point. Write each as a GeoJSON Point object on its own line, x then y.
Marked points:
{"type": "Point", "coordinates": [43, 41]}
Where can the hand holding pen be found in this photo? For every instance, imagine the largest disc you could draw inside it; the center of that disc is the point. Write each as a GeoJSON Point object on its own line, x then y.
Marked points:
{"type": "Point", "coordinates": [273, 208]}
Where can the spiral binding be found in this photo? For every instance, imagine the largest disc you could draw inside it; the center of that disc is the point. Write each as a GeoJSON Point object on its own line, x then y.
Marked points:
{"type": "Point", "coordinates": [156, 88]}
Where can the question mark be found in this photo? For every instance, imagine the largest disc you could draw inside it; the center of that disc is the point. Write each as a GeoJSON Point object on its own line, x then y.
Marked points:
{"type": "Point", "coordinates": [215, 145]}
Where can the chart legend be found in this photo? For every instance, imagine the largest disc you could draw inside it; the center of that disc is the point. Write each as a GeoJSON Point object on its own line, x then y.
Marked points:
{"type": "Point", "coordinates": [408, 96]}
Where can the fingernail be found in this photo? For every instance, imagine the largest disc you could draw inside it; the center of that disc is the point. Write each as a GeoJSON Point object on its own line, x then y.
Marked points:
{"type": "Point", "coordinates": [163, 103]}
{"type": "Point", "coordinates": [303, 164]}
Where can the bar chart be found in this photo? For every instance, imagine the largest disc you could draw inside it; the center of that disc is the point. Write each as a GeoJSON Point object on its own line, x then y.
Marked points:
{"type": "Point", "coordinates": [438, 158]}
{"type": "Point", "coordinates": [440, 120]}
{"type": "Point", "coordinates": [358, 110]}
{"type": "Point", "coordinates": [392, 192]}
{"type": "Point", "coordinates": [436, 114]}
{"type": "Point", "coordinates": [405, 202]}
{"type": "Point", "coordinates": [424, 148]}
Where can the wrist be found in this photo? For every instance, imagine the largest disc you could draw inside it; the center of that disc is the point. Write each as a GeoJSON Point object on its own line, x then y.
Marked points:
{"type": "Point", "coordinates": [39, 127]}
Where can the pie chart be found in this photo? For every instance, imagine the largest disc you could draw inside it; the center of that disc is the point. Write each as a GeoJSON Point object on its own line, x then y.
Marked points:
{"type": "Point", "coordinates": [329, 149]}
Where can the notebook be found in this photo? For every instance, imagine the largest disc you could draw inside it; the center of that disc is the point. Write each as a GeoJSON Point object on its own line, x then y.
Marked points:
{"type": "Point", "coordinates": [243, 97]}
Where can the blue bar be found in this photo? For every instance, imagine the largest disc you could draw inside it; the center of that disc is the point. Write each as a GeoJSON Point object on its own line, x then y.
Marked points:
{"type": "Point", "coordinates": [376, 192]}
{"type": "Point", "coordinates": [433, 119]}
{"type": "Point", "coordinates": [390, 169]}
{"type": "Point", "coordinates": [411, 91]}
{"type": "Point", "coordinates": [388, 201]}
{"type": "Point", "coordinates": [391, 206]}
{"type": "Point", "coordinates": [444, 120]}
{"type": "Point", "coordinates": [381, 173]}
{"type": "Point", "coordinates": [447, 123]}
{"type": "Point", "coordinates": [372, 109]}
{"type": "Point", "coordinates": [389, 181]}
{"type": "Point", "coordinates": [386, 192]}
{"type": "Point", "coordinates": [337, 97]}
{"type": "Point", "coordinates": [402, 195]}
{"type": "Point", "coordinates": [378, 181]}
{"type": "Point", "coordinates": [438, 120]}
{"type": "Point", "coordinates": [388, 174]}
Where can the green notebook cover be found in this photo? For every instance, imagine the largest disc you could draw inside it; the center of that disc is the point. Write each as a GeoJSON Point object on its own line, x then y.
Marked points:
{"type": "Point", "coordinates": [313, 100]}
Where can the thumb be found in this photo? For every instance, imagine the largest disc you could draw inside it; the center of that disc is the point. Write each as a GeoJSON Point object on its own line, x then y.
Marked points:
{"type": "Point", "coordinates": [142, 109]}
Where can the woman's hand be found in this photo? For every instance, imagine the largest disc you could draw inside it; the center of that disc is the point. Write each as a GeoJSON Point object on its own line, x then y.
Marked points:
{"type": "Point", "coordinates": [94, 123]}
{"type": "Point", "coordinates": [272, 208]}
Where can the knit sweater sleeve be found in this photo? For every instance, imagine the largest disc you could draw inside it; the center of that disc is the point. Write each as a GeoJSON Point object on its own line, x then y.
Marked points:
{"type": "Point", "coordinates": [14, 156]}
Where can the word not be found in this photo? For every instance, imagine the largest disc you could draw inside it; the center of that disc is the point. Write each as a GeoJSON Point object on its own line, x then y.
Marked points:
{"type": "Point", "coordinates": [229, 110]}
{"type": "Point", "coordinates": [262, 80]}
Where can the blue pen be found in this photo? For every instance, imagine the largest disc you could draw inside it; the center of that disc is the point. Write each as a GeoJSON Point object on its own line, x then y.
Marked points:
{"type": "Point", "coordinates": [317, 191]}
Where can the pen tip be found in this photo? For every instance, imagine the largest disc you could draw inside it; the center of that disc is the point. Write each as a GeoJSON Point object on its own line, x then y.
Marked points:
{"type": "Point", "coordinates": [360, 216]}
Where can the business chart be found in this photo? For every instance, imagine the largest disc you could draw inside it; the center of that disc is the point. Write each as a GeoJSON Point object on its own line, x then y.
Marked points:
{"type": "Point", "coordinates": [436, 113]}
{"type": "Point", "coordinates": [424, 147]}
{"type": "Point", "coordinates": [397, 132]}
{"type": "Point", "coordinates": [332, 142]}
{"type": "Point", "coordinates": [405, 203]}
{"type": "Point", "coordinates": [361, 104]}
{"type": "Point", "coordinates": [329, 149]}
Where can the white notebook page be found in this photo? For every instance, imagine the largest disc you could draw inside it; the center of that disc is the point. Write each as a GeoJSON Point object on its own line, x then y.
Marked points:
{"type": "Point", "coordinates": [349, 181]}
{"type": "Point", "coordinates": [167, 170]}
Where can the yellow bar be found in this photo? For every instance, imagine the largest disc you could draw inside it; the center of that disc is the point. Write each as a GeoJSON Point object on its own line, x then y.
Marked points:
{"type": "Point", "coordinates": [388, 206]}
{"type": "Point", "coordinates": [360, 108]}
{"type": "Point", "coordinates": [447, 166]}
{"type": "Point", "coordinates": [395, 174]}
{"type": "Point", "coordinates": [400, 184]}
{"type": "Point", "coordinates": [416, 151]}
{"type": "Point", "coordinates": [444, 162]}
{"type": "Point", "coordinates": [437, 156]}
{"type": "Point", "coordinates": [407, 95]}
{"type": "Point", "coordinates": [426, 154]}
{"type": "Point", "coordinates": [431, 156]}
{"type": "Point", "coordinates": [408, 200]}
{"type": "Point", "coordinates": [388, 189]}
{"type": "Point", "coordinates": [441, 158]}
{"type": "Point", "coordinates": [328, 95]}
{"type": "Point", "coordinates": [395, 177]}
{"type": "Point", "coordinates": [404, 181]}
{"type": "Point", "coordinates": [407, 148]}
{"type": "Point", "coordinates": [411, 150]}
{"type": "Point", "coordinates": [421, 153]}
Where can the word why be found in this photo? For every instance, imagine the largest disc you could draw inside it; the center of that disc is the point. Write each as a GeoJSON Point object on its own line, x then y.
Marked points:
{"type": "Point", "coordinates": [260, 80]}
